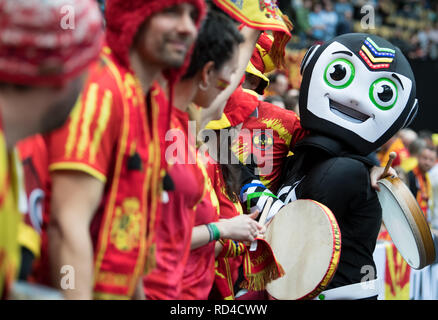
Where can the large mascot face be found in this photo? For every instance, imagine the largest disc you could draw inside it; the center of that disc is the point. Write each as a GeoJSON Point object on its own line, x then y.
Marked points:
{"type": "Point", "coordinates": [359, 89]}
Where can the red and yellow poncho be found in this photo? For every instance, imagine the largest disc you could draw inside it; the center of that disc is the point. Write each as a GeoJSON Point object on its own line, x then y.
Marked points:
{"type": "Point", "coordinates": [112, 135]}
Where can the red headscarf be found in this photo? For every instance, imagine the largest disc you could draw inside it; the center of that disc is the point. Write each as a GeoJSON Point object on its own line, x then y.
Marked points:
{"type": "Point", "coordinates": [260, 57]}
{"type": "Point", "coordinates": [47, 42]}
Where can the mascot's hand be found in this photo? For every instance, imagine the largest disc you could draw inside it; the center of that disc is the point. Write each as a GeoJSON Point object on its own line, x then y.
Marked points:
{"type": "Point", "coordinates": [377, 173]}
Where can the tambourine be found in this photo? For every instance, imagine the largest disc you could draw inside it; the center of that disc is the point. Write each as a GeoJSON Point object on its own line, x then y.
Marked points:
{"type": "Point", "coordinates": [306, 240]}
{"type": "Point", "coordinates": [405, 222]}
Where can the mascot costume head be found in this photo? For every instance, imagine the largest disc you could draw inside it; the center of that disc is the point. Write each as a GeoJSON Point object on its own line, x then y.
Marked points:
{"type": "Point", "coordinates": [358, 89]}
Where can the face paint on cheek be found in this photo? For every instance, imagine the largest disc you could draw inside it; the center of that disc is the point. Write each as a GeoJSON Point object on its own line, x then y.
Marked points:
{"type": "Point", "coordinates": [222, 84]}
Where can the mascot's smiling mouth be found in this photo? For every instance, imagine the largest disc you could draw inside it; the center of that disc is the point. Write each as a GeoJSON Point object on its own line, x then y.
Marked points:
{"type": "Point", "coordinates": [347, 113]}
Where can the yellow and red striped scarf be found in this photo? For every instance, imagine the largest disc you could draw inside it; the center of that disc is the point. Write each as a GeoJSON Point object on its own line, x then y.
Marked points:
{"type": "Point", "coordinates": [262, 15]}
{"type": "Point", "coordinates": [424, 192]}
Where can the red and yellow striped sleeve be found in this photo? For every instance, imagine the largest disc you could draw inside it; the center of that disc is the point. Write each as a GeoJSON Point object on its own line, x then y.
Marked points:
{"type": "Point", "coordinates": [228, 208]}
{"type": "Point", "coordinates": [88, 139]}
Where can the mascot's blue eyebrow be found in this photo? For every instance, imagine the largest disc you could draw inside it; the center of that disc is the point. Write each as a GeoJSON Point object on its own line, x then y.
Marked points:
{"type": "Point", "coordinates": [344, 52]}
{"type": "Point", "coordinates": [398, 79]}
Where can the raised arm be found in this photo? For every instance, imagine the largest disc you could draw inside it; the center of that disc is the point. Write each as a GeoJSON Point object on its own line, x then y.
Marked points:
{"type": "Point", "coordinates": [245, 51]}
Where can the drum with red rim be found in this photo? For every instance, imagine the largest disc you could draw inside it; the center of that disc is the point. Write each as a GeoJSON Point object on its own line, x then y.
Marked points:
{"type": "Point", "coordinates": [306, 240]}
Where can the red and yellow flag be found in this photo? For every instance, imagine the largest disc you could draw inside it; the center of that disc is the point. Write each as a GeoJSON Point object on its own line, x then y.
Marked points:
{"type": "Point", "coordinates": [262, 15]}
{"type": "Point", "coordinates": [260, 267]}
{"type": "Point", "coordinates": [397, 273]}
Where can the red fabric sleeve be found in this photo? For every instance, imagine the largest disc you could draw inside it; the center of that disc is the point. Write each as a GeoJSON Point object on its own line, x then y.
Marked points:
{"type": "Point", "coordinates": [87, 140]}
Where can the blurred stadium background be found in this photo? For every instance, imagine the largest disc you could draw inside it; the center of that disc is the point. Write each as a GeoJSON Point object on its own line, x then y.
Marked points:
{"type": "Point", "coordinates": [412, 25]}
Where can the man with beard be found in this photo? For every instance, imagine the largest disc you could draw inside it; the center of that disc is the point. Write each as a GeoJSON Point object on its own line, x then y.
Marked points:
{"type": "Point", "coordinates": [40, 79]}
{"type": "Point", "coordinates": [106, 163]}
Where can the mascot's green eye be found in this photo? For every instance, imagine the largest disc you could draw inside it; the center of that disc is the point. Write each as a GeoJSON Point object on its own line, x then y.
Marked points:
{"type": "Point", "coordinates": [383, 93]}
{"type": "Point", "coordinates": [339, 73]}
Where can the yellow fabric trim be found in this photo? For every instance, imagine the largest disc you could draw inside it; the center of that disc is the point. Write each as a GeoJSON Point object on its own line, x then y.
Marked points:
{"type": "Point", "coordinates": [208, 187]}
{"type": "Point", "coordinates": [255, 94]}
{"type": "Point", "coordinates": [219, 124]}
{"type": "Point", "coordinates": [105, 227]}
{"type": "Point", "coordinates": [90, 109]}
{"type": "Point", "coordinates": [4, 170]}
{"type": "Point", "coordinates": [10, 217]}
{"type": "Point", "coordinates": [336, 254]}
{"type": "Point", "coordinates": [129, 83]}
{"type": "Point", "coordinates": [109, 296]}
{"type": "Point", "coordinates": [277, 126]}
{"type": "Point", "coordinates": [145, 266]}
{"type": "Point", "coordinates": [29, 238]}
{"type": "Point", "coordinates": [76, 166]}
{"type": "Point", "coordinates": [73, 127]}
{"type": "Point", "coordinates": [220, 275]}
{"type": "Point", "coordinates": [107, 50]}
{"type": "Point", "coordinates": [102, 123]}
{"type": "Point", "coordinates": [250, 68]}
{"type": "Point", "coordinates": [154, 179]}
{"type": "Point", "coordinates": [229, 276]}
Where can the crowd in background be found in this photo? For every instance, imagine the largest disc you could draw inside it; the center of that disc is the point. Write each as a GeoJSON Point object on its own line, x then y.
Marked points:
{"type": "Point", "coordinates": [416, 164]}
{"type": "Point", "coordinates": [411, 25]}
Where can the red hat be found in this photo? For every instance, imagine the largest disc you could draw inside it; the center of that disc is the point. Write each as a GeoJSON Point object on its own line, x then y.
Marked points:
{"type": "Point", "coordinates": [124, 18]}
{"type": "Point", "coordinates": [261, 62]}
{"type": "Point", "coordinates": [48, 42]}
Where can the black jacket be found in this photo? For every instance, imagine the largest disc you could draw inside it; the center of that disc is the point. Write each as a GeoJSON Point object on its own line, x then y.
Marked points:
{"type": "Point", "coordinates": [341, 181]}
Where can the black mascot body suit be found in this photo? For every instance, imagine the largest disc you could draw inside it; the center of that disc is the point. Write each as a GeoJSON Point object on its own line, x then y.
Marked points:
{"type": "Point", "coordinates": [357, 91]}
